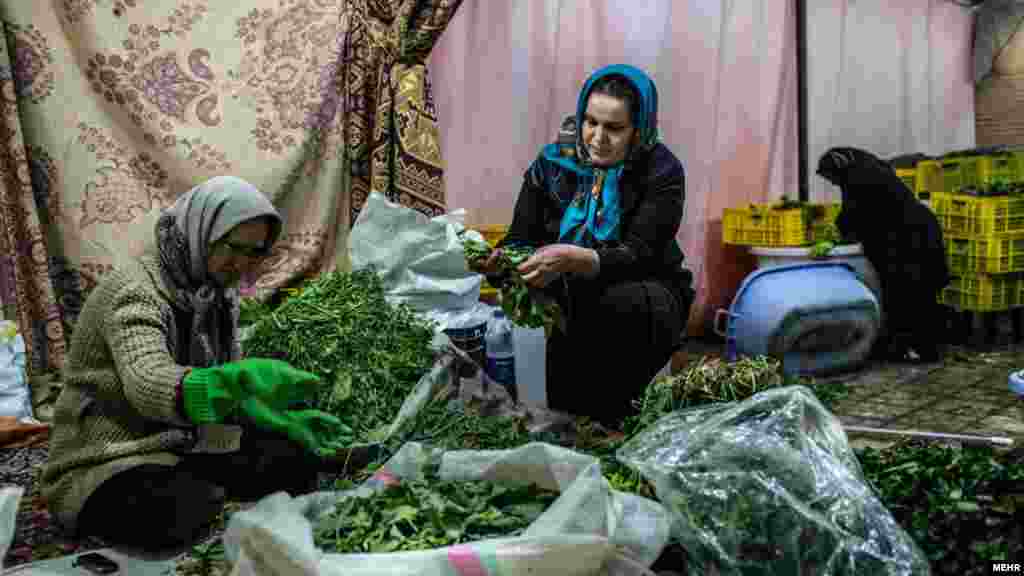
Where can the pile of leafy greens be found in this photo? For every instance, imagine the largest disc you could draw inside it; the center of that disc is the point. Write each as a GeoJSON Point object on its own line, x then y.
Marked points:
{"type": "Point", "coordinates": [964, 506]}
{"type": "Point", "coordinates": [369, 352]}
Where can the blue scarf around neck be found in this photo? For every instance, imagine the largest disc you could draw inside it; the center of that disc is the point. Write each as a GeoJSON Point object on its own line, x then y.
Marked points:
{"type": "Point", "coordinates": [594, 213]}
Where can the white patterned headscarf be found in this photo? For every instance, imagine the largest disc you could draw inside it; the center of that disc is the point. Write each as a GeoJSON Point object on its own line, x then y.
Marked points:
{"type": "Point", "coordinates": [184, 234]}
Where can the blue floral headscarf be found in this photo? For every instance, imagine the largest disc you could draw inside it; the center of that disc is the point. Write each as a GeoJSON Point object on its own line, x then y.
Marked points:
{"type": "Point", "coordinates": [591, 218]}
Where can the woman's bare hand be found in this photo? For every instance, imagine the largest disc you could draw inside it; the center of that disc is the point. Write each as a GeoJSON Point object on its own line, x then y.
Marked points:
{"type": "Point", "coordinates": [552, 261]}
{"type": "Point", "coordinates": [489, 266]}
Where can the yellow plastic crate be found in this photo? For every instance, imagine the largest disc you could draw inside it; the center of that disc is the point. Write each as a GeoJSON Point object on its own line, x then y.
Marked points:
{"type": "Point", "coordinates": [492, 234]}
{"type": "Point", "coordinates": [923, 179]}
{"type": "Point", "coordinates": [982, 293]}
{"type": "Point", "coordinates": [764, 226]}
{"type": "Point", "coordinates": [928, 180]}
{"type": "Point", "coordinates": [992, 254]}
{"type": "Point", "coordinates": [1019, 176]}
{"type": "Point", "coordinates": [972, 217]}
{"type": "Point", "coordinates": [960, 173]}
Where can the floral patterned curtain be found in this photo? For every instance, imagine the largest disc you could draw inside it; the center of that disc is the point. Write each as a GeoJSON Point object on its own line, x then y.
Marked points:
{"type": "Point", "coordinates": [110, 109]}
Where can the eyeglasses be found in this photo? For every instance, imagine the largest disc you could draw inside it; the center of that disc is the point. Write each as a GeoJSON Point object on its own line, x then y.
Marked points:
{"type": "Point", "coordinates": [246, 250]}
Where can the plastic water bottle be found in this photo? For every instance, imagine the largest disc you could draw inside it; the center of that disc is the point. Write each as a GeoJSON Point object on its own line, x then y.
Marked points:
{"type": "Point", "coordinates": [501, 352]}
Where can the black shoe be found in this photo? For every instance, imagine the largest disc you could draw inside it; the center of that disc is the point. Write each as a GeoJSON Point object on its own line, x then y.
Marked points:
{"type": "Point", "coordinates": [927, 355]}
{"type": "Point", "coordinates": [912, 356]}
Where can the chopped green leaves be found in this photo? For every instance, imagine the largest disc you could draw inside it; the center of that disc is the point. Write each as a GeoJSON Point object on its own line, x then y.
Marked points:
{"type": "Point", "coordinates": [430, 513]}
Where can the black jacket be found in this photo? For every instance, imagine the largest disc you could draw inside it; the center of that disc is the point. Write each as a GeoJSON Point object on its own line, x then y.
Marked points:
{"type": "Point", "coordinates": [652, 192]}
{"type": "Point", "coordinates": [901, 236]}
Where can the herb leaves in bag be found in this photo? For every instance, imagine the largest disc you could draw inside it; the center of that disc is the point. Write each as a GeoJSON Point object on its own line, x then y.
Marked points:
{"type": "Point", "coordinates": [429, 513]}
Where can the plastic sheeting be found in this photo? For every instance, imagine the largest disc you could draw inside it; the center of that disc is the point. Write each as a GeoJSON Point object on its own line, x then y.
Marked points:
{"type": "Point", "coordinates": [421, 261]}
{"type": "Point", "coordinates": [770, 486]}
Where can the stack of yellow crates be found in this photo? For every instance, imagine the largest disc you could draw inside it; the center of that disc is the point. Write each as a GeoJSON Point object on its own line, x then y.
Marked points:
{"type": "Point", "coordinates": [768, 225]}
{"type": "Point", "coordinates": [984, 234]}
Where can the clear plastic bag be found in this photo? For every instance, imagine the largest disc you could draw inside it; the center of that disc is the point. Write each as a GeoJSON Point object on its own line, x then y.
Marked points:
{"type": "Point", "coordinates": [589, 529]}
{"type": "Point", "coordinates": [770, 486]}
{"type": "Point", "coordinates": [15, 394]}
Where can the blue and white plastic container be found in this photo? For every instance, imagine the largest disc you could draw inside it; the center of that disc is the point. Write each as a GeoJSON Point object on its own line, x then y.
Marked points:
{"type": "Point", "coordinates": [817, 318]}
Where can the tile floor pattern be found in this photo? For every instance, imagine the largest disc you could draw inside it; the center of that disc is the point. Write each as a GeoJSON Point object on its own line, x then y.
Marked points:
{"type": "Point", "coordinates": [966, 394]}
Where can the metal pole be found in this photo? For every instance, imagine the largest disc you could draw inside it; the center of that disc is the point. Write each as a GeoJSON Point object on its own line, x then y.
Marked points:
{"type": "Point", "coordinates": [993, 440]}
{"type": "Point", "coordinates": [801, 90]}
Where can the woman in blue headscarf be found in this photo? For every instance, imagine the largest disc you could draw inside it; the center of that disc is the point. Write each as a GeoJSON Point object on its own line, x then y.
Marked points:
{"type": "Point", "coordinates": [602, 207]}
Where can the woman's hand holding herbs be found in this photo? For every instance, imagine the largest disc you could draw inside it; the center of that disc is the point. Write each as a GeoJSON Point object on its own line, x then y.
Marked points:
{"type": "Point", "coordinates": [550, 262]}
{"type": "Point", "coordinates": [489, 265]}
{"type": "Point", "coordinates": [523, 303]}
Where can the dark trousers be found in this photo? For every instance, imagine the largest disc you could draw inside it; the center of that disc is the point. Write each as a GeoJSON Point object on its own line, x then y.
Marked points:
{"type": "Point", "coordinates": [914, 319]}
{"type": "Point", "coordinates": [619, 337]}
{"type": "Point", "coordinates": [157, 507]}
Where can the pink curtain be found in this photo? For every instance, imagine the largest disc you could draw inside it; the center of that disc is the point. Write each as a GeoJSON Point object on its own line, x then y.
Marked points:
{"type": "Point", "coordinates": [891, 77]}
{"type": "Point", "coordinates": [506, 73]}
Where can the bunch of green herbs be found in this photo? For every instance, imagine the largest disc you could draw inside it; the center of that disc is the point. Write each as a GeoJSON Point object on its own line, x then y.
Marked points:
{"type": "Point", "coordinates": [252, 310]}
{"type": "Point", "coordinates": [830, 238]}
{"type": "Point", "coordinates": [709, 380]}
{"type": "Point", "coordinates": [712, 380]}
{"type": "Point", "coordinates": [997, 187]}
{"type": "Point", "coordinates": [964, 506]}
{"type": "Point", "coordinates": [369, 352]}
{"type": "Point", "coordinates": [706, 381]}
{"type": "Point", "coordinates": [809, 213]}
{"type": "Point", "coordinates": [204, 559]}
{"type": "Point", "coordinates": [591, 438]}
{"type": "Point", "coordinates": [429, 513]}
{"type": "Point", "coordinates": [524, 305]}
{"type": "Point", "coordinates": [207, 558]}
{"type": "Point", "coordinates": [452, 425]}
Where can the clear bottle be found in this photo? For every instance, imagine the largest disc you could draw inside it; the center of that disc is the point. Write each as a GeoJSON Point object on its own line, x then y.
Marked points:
{"type": "Point", "coordinates": [501, 355]}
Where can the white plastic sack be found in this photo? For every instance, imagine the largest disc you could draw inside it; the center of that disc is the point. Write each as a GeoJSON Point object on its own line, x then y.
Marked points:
{"type": "Point", "coordinates": [589, 530]}
{"type": "Point", "coordinates": [15, 394]}
{"type": "Point", "coordinates": [10, 497]}
{"type": "Point", "coordinates": [420, 260]}
{"type": "Point", "coordinates": [462, 318]}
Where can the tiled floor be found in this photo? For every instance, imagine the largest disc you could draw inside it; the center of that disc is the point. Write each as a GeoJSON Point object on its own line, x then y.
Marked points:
{"type": "Point", "coordinates": [967, 394]}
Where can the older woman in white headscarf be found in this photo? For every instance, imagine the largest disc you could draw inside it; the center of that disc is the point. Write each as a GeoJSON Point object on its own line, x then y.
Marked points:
{"type": "Point", "coordinates": [142, 452]}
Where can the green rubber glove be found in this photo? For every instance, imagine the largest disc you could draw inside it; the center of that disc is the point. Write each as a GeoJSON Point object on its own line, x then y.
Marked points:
{"type": "Point", "coordinates": [318, 432]}
{"type": "Point", "coordinates": [211, 394]}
